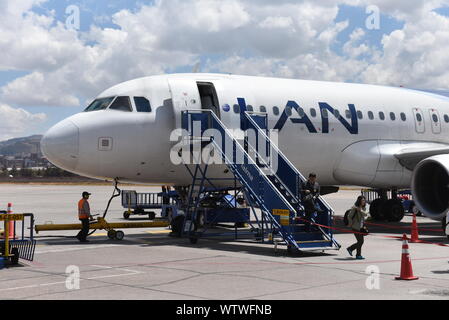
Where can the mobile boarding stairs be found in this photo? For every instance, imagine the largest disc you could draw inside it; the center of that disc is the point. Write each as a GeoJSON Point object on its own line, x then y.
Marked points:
{"type": "Point", "coordinates": [268, 180]}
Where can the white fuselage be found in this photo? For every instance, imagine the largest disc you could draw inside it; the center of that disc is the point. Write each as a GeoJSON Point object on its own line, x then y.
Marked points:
{"type": "Point", "coordinates": [349, 150]}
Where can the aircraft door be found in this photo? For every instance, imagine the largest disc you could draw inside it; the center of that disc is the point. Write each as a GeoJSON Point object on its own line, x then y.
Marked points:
{"type": "Point", "coordinates": [418, 115]}
{"type": "Point", "coordinates": [208, 97]}
{"type": "Point", "coordinates": [435, 121]}
{"type": "Point", "coordinates": [185, 96]}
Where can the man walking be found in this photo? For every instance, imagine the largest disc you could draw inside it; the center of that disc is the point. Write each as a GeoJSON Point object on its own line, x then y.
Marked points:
{"type": "Point", "coordinates": [310, 190]}
{"type": "Point", "coordinates": [84, 216]}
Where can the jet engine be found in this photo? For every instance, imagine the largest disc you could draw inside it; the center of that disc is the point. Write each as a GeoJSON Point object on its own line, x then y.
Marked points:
{"type": "Point", "coordinates": [430, 186]}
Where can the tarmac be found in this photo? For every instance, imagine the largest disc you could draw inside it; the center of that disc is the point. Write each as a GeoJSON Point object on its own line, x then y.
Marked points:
{"type": "Point", "coordinates": [150, 265]}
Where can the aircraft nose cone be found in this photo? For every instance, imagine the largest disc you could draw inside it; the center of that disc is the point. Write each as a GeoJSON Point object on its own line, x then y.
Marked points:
{"type": "Point", "coordinates": [60, 145]}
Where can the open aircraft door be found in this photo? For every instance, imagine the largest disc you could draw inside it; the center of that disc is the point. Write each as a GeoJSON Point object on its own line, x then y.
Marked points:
{"type": "Point", "coordinates": [185, 96]}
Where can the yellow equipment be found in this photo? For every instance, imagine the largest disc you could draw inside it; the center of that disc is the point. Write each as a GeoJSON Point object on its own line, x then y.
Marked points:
{"type": "Point", "coordinates": [102, 224]}
{"type": "Point", "coordinates": [13, 258]}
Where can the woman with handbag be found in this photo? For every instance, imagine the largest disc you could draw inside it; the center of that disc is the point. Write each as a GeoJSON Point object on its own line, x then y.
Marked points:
{"type": "Point", "coordinates": [356, 220]}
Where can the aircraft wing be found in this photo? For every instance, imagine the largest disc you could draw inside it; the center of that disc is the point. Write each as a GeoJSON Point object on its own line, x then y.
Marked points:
{"type": "Point", "coordinates": [410, 156]}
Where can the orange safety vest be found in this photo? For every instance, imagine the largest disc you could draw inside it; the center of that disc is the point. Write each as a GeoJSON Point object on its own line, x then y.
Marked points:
{"type": "Point", "coordinates": [83, 209]}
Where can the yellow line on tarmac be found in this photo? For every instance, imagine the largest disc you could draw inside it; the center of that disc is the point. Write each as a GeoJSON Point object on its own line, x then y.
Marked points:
{"type": "Point", "coordinates": [98, 234]}
{"type": "Point", "coordinates": [158, 231]}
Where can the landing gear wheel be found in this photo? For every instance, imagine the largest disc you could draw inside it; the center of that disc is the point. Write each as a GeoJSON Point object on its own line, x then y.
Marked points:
{"type": "Point", "coordinates": [289, 250]}
{"type": "Point", "coordinates": [119, 235]}
{"type": "Point", "coordinates": [394, 210]}
{"type": "Point", "coordinates": [112, 234]}
{"type": "Point", "coordinates": [151, 215]}
{"type": "Point", "coordinates": [193, 240]}
{"type": "Point", "coordinates": [126, 215]}
{"type": "Point", "coordinates": [416, 211]}
{"type": "Point", "coordinates": [15, 256]}
{"type": "Point", "coordinates": [375, 210]}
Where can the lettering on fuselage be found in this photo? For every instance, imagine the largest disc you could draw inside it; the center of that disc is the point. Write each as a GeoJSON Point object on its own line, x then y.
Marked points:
{"type": "Point", "coordinates": [352, 127]}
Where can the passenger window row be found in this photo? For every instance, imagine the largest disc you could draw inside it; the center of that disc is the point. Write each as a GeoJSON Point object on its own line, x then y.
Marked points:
{"type": "Point", "coordinates": [325, 113]}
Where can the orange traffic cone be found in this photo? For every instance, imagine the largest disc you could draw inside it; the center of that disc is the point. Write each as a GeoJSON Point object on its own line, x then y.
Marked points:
{"type": "Point", "coordinates": [415, 236]}
{"type": "Point", "coordinates": [406, 263]}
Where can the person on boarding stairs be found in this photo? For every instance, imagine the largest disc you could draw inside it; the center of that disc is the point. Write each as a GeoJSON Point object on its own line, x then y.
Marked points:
{"type": "Point", "coordinates": [309, 191]}
{"type": "Point", "coordinates": [356, 219]}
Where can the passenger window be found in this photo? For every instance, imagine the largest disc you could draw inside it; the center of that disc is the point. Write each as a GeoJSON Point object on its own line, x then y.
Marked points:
{"type": "Point", "coordinates": [263, 109]}
{"type": "Point", "coordinates": [336, 113]}
{"type": "Point", "coordinates": [324, 113]}
{"type": "Point", "coordinates": [236, 108]}
{"type": "Point", "coordinates": [142, 104]}
{"type": "Point", "coordinates": [446, 118]}
{"type": "Point", "coordinates": [276, 111]}
{"type": "Point", "coordinates": [370, 115]}
{"type": "Point", "coordinates": [348, 114]}
{"type": "Point", "coordinates": [392, 116]}
{"type": "Point", "coordinates": [249, 108]}
{"type": "Point", "coordinates": [122, 104]}
{"type": "Point", "coordinates": [288, 111]}
{"type": "Point", "coordinates": [418, 117]}
{"type": "Point", "coordinates": [381, 116]}
{"type": "Point", "coordinates": [435, 118]}
{"type": "Point", "coordinates": [99, 104]}
{"type": "Point", "coordinates": [313, 112]}
{"type": "Point", "coordinates": [360, 115]}
{"type": "Point", "coordinates": [403, 116]}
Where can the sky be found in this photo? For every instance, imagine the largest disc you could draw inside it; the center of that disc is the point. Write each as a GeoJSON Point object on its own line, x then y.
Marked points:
{"type": "Point", "coordinates": [57, 55]}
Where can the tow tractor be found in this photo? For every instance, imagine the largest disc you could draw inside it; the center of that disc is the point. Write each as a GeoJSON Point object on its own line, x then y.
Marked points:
{"type": "Point", "coordinates": [111, 227]}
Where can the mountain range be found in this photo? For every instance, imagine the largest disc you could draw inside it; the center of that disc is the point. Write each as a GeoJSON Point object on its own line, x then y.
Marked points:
{"type": "Point", "coordinates": [17, 146]}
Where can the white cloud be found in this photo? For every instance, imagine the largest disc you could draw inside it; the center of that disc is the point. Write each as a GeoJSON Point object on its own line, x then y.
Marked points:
{"type": "Point", "coordinates": [415, 56]}
{"type": "Point", "coordinates": [276, 22]}
{"type": "Point", "coordinates": [15, 121]}
{"type": "Point", "coordinates": [284, 38]}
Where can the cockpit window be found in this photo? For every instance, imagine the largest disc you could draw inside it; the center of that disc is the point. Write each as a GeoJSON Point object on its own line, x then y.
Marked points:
{"type": "Point", "coordinates": [99, 104]}
{"type": "Point", "coordinates": [142, 104]}
{"type": "Point", "coordinates": [122, 104]}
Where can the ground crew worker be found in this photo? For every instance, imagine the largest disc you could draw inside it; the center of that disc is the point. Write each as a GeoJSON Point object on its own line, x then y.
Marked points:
{"type": "Point", "coordinates": [309, 191]}
{"type": "Point", "coordinates": [84, 216]}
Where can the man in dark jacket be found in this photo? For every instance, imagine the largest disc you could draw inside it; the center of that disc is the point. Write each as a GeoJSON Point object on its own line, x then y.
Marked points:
{"type": "Point", "coordinates": [309, 191]}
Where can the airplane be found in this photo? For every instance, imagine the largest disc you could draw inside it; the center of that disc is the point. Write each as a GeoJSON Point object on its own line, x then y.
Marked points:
{"type": "Point", "coordinates": [387, 138]}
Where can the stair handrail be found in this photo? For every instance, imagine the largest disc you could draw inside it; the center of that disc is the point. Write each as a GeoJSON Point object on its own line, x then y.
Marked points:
{"type": "Point", "coordinates": [301, 177]}
{"type": "Point", "coordinates": [261, 173]}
